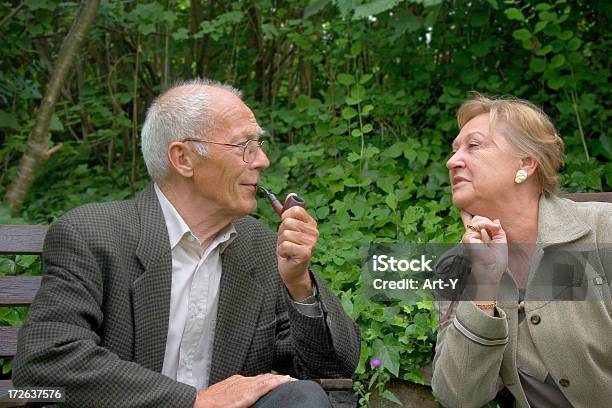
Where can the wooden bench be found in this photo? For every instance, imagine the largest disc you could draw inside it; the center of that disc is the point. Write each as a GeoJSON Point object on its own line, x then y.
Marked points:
{"type": "Point", "coordinates": [20, 291]}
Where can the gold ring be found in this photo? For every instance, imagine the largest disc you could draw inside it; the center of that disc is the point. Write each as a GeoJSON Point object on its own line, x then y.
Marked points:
{"type": "Point", "coordinates": [473, 228]}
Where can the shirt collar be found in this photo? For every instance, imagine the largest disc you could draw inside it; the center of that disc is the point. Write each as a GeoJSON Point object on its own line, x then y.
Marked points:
{"type": "Point", "coordinates": [178, 228]}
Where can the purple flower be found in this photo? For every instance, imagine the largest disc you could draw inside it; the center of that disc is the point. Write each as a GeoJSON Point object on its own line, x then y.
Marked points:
{"type": "Point", "coordinates": [375, 362]}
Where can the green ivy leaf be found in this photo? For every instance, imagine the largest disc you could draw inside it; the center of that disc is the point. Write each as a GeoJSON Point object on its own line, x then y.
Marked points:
{"type": "Point", "coordinates": [7, 267]}
{"type": "Point", "coordinates": [514, 14]}
{"type": "Point", "coordinates": [181, 34]}
{"type": "Point", "coordinates": [40, 4]}
{"type": "Point", "coordinates": [395, 150]}
{"type": "Point", "coordinates": [556, 82]}
{"type": "Point", "coordinates": [371, 151]}
{"type": "Point", "coordinates": [557, 61]}
{"type": "Point", "coordinates": [367, 109]}
{"type": "Point", "coordinates": [314, 7]}
{"type": "Point", "coordinates": [521, 34]}
{"type": "Point", "coordinates": [322, 212]}
{"type": "Point", "coordinates": [365, 78]}
{"type": "Point", "coordinates": [349, 113]}
{"type": "Point", "coordinates": [346, 79]}
{"type": "Point", "coordinates": [548, 16]}
{"type": "Point", "coordinates": [391, 201]}
{"type": "Point", "coordinates": [388, 395]}
{"type": "Point", "coordinates": [544, 50]}
{"type": "Point", "coordinates": [8, 120]}
{"type": "Point", "coordinates": [540, 25]}
{"type": "Point", "coordinates": [389, 356]}
{"type": "Point", "coordinates": [373, 8]}
{"type": "Point", "coordinates": [537, 65]}
{"type": "Point", "coordinates": [358, 92]}
{"type": "Point", "coordinates": [352, 101]}
{"type": "Point", "coordinates": [494, 4]}
{"type": "Point", "coordinates": [146, 29]}
{"type": "Point", "coordinates": [574, 44]}
{"type": "Point", "coordinates": [353, 157]}
{"type": "Point", "coordinates": [56, 124]}
{"type": "Point", "coordinates": [543, 7]}
{"type": "Point", "coordinates": [355, 48]}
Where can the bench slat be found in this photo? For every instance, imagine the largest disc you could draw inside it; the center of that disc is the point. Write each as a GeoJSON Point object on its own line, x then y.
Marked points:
{"type": "Point", "coordinates": [332, 384]}
{"type": "Point", "coordinates": [22, 239]}
{"type": "Point", "coordinates": [18, 290]}
{"type": "Point", "coordinates": [583, 197]}
{"type": "Point", "coordinates": [5, 385]}
{"type": "Point", "coordinates": [8, 341]}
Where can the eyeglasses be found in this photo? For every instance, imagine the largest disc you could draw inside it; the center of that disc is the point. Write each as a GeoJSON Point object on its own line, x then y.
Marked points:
{"type": "Point", "coordinates": [249, 147]}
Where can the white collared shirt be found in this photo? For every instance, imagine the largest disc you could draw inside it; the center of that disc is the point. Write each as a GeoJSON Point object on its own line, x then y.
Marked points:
{"type": "Point", "coordinates": [193, 300]}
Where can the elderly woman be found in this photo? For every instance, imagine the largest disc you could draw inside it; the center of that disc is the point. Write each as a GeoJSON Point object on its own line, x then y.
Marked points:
{"type": "Point", "coordinates": [509, 338]}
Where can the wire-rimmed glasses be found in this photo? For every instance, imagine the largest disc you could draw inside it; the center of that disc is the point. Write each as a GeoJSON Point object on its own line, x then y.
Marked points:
{"type": "Point", "coordinates": [249, 147]}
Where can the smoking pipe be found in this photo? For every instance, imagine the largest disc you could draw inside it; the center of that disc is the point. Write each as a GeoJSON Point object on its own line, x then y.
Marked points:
{"type": "Point", "coordinates": [291, 201]}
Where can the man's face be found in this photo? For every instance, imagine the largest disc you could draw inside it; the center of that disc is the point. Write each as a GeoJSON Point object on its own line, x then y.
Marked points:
{"type": "Point", "coordinates": [222, 178]}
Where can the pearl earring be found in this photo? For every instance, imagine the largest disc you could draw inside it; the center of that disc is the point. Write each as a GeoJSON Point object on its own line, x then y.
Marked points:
{"type": "Point", "coordinates": [520, 177]}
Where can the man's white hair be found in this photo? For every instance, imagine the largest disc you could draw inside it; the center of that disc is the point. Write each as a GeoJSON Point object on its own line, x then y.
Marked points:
{"type": "Point", "coordinates": [175, 115]}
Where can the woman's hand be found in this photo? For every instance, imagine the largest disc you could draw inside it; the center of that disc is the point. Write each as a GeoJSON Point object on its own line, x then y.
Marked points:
{"type": "Point", "coordinates": [487, 245]}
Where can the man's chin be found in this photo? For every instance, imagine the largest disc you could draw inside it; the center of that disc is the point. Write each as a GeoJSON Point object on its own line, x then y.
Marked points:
{"type": "Point", "coordinates": [248, 207]}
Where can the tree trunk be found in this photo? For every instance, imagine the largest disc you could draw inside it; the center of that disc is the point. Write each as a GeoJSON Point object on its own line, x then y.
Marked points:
{"type": "Point", "coordinates": [36, 152]}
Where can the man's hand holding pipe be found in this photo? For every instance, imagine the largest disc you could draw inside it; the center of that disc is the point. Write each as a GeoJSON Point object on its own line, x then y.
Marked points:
{"type": "Point", "coordinates": [297, 240]}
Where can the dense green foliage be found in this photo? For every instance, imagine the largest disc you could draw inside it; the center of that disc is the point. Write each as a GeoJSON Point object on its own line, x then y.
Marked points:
{"type": "Point", "coordinates": [358, 98]}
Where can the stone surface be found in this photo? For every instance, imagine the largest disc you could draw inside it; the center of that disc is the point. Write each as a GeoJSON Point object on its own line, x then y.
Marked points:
{"type": "Point", "coordinates": [410, 394]}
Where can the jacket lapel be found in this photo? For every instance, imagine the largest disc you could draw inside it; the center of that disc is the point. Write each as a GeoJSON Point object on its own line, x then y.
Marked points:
{"type": "Point", "coordinates": [550, 230]}
{"type": "Point", "coordinates": [151, 291]}
{"type": "Point", "coordinates": [240, 298]}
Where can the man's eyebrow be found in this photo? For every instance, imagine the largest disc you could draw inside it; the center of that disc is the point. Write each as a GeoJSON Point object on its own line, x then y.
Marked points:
{"type": "Point", "coordinates": [257, 135]}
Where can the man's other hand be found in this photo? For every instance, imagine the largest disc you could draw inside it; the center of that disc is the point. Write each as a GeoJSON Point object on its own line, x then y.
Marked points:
{"type": "Point", "coordinates": [238, 391]}
{"type": "Point", "coordinates": [297, 240]}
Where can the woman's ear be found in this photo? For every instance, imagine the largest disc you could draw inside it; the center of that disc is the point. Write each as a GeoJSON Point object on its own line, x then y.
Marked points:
{"type": "Point", "coordinates": [181, 159]}
{"type": "Point", "coordinates": [529, 164]}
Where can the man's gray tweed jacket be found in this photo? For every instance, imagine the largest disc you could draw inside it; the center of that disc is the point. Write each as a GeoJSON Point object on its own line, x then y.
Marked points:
{"type": "Point", "coordinates": [99, 323]}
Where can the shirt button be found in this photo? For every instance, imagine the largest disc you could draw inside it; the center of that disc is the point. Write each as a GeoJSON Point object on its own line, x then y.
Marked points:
{"type": "Point", "coordinates": [564, 382]}
{"type": "Point", "coordinates": [535, 319]}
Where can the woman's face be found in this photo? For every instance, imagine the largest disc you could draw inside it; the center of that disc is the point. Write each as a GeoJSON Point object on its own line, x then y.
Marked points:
{"type": "Point", "coordinates": [481, 169]}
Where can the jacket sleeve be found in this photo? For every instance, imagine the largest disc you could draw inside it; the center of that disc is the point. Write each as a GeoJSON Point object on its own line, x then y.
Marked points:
{"type": "Point", "coordinates": [59, 344]}
{"type": "Point", "coordinates": [316, 347]}
{"type": "Point", "coordinates": [469, 352]}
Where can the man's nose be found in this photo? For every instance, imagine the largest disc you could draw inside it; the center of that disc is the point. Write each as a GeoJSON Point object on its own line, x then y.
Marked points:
{"type": "Point", "coordinates": [261, 160]}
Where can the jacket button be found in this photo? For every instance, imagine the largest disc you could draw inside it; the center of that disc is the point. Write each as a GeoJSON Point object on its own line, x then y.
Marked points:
{"type": "Point", "coordinates": [564, 382]}
{"type": "Point", "coordinates": [535, 319]}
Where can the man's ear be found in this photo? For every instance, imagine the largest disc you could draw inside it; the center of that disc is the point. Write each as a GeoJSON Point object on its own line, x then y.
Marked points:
{"type": "Point", "coordinates": [529, 164]}
{"type": "Point", "coordinates": [181, 159]}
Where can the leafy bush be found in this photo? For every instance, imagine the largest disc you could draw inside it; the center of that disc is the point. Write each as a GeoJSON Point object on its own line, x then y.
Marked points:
{"type": "Point", "coordinates": [358, 99]}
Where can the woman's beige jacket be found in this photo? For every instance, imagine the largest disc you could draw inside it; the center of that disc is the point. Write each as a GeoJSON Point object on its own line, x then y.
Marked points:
{"type": "Point", "coordinates": [476, 354]}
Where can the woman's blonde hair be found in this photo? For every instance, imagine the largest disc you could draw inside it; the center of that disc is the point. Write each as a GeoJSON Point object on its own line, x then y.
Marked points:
{"type": "Point", "coordinates": [527, 129]}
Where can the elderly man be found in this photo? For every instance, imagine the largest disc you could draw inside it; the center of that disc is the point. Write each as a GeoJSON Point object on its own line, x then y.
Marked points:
{"type": "Point", "coordinates": [177, 298]}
